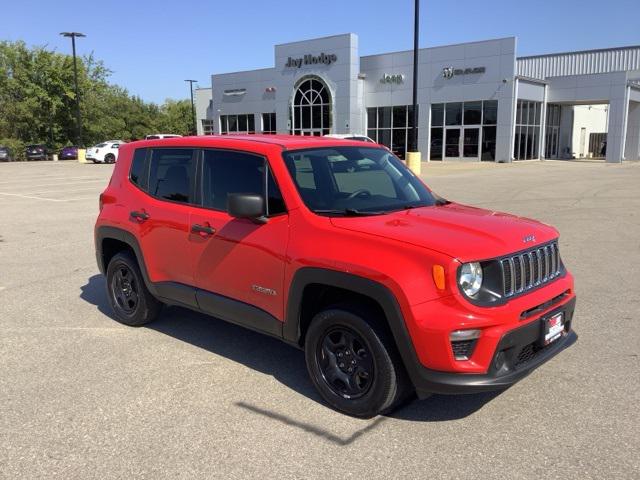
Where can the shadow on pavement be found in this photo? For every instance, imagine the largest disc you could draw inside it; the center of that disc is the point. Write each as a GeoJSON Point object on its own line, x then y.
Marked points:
{"type": "Point", "coordinates": [283, 362]}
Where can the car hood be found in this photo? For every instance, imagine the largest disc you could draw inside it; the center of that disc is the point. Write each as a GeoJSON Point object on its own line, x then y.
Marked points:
{"type": "Point", "coordinates": [462, 232]}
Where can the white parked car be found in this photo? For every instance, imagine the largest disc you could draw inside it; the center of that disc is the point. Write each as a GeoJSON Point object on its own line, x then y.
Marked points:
{"type": "Point", "coordinates": [106, 152]}
{"type": "Point", "coordinates": [351, 136]}
{"type": "Point", "coordinates": [158, 136]}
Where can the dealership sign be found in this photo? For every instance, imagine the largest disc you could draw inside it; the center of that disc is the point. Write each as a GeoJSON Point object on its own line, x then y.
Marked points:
{"type": "Point", "coordinates": [450, 72]}
{"type": "Point", "coordinates": [392, 78]}
{"type": "Point", "coordinates": [322, 59]}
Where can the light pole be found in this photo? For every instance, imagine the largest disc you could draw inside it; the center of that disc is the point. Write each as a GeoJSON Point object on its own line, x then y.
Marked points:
{"type": "Point", "coordinates": [73, 36]}
{"type": "Point", "coordinates": [413, 155]}
{"type": "Point", "coordinates": [194, 130]}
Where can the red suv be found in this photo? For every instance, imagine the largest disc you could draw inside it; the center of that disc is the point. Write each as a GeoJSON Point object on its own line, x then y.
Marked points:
{"type": "Point", "coordinates": [337, 248]}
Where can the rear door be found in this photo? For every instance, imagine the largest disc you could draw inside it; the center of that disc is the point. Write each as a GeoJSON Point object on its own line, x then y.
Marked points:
{"type": "Point", "coordinates": [237, 258]}
{"type": "Point", "coordinates": [161, 215]}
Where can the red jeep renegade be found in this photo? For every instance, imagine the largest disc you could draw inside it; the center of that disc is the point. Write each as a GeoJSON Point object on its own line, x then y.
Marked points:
{"type": "Point", "coordinates": [337, 248]}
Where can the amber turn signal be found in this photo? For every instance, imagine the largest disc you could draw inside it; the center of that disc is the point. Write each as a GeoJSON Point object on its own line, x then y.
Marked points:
{"type": "Point", "coordinates": [438, 276]}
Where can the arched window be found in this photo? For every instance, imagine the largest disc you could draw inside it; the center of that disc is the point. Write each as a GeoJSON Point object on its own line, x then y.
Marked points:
{"type": "Point", "coordinates": [311, 108]}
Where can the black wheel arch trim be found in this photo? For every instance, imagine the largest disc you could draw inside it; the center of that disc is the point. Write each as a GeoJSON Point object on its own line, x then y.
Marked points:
{"type": "Point", "coordinates": [105, 232]}
{"type": "Point", "coordinates": [377, 292]}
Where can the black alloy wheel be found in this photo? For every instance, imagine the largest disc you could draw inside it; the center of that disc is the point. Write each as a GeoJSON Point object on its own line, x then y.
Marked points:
{"type": "Point", "coordinates": [345, 361]}
{"type": "Point", "coordinates": [353, 361]}
{"type": "Point", "coordinates": [125, 291]}
{"type": "Point", "coordinates": [131, 300]}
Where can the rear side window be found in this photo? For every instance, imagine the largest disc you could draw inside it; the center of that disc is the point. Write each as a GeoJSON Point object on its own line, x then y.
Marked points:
{"type": "Point", "coordinates": [171, 174]}
{"type": "Point", "coordinates": [138, 174]}
{"type": "Point", "coordinates": [225, 172]}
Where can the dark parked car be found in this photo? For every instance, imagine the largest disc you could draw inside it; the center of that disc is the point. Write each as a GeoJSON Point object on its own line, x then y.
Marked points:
{"type": "Point", "coordinates": [5, 154]}
{"type": "Point", "coordinates": [36, 152]}
{"type": "Point", "coordinates": [69, 153]}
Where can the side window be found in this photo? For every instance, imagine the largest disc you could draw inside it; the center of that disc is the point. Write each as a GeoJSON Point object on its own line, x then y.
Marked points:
{"type": "Point", "coordinates": [138, 173]}
{"type": "Point", "coordinates": [225, 172]}
{"type": "Point", "coordinates": [170, 174]}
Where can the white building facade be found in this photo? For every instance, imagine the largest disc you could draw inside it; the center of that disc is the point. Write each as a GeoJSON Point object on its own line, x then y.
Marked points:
{"type": "Point", "coordinates": [476, 101]}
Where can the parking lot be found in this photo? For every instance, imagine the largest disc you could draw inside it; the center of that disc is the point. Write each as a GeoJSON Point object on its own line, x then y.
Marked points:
{"type": "Point", "coordinates": [82, 396]}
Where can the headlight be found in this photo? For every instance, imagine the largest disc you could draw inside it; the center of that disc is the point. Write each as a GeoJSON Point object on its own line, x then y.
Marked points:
{"type": "Point", "coordinates": [470, 278]}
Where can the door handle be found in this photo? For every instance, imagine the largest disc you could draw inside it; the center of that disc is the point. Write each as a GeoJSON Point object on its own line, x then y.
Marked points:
{"type": "Point", "coordinates": [140, 216]}
{"type": "Point", "coordinates": [196, 228]}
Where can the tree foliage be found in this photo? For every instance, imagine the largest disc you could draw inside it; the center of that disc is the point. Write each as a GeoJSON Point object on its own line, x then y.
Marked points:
{"type": "Point", "coordinates": [37, 101]}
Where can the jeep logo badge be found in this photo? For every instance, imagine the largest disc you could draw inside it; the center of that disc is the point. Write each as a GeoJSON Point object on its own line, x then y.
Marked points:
{"type": "Point", "coordinates": [529, 238]}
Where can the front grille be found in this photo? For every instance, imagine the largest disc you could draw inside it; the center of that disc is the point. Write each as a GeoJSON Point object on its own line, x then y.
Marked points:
{"type": "Point", "coordinates": [530, 269]}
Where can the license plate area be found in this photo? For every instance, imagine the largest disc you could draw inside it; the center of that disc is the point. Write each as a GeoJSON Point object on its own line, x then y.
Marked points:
{"type": "Point", "coordinates": [552, 328]}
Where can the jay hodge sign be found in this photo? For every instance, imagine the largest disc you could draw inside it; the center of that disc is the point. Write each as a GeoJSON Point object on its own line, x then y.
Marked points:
{"type": "Point", "coordinates": [322, 59]}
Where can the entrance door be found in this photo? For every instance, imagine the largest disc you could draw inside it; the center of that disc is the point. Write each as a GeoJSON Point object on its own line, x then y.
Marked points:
{"type": "Point", "coordinates": [471, 143]}
{"type": "Point", "coordinates": [452, 143]}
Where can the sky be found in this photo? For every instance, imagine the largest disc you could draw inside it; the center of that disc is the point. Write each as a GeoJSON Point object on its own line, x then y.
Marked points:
{"type": "Point", "coordinates": [152, 46]}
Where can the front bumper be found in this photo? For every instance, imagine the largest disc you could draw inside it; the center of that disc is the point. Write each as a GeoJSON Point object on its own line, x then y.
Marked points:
{"type": "Point", "coordinates": [517, 354]}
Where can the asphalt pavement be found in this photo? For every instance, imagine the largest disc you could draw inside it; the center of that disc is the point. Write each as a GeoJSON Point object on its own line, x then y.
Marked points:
{"type": "Point", "coordinates": [82, 396]}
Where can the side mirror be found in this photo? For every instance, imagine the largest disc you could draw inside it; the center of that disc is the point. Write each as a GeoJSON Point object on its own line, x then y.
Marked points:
{"type": "Point", "coordinates": [246, 205]}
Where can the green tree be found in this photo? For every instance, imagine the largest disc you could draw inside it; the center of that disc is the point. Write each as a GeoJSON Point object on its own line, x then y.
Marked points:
{"type": "Point", "coordinates": [37, 101]}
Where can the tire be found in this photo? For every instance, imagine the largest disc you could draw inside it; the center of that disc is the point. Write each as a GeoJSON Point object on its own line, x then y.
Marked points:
{"type": "Point", "coordinates": [110, 158]}
{"type": "Point", "coordinates": [340, 337]}
{"type": "Point", "coordinates": [128, 295]}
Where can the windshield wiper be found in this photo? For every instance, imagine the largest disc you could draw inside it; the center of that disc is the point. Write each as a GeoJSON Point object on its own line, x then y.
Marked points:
{"type": "Point", "coordinates": [349, 212]}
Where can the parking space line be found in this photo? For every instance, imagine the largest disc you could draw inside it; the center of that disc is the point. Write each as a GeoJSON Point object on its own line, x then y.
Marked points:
{"type": "Point", "coordinates": [35, 198]}
{"type": "Point", "coordinates": [64, 184]}
{"type": "Point", "coordinates": [64, 191]}
{"type": "Point", "coordinates": [44, 177]}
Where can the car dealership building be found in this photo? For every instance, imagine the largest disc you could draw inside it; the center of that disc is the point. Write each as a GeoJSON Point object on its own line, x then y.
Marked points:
{"type": "Point", "coordinates": [476, 101]}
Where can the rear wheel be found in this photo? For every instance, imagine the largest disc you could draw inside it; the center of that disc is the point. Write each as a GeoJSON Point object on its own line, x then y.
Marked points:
{"type": "Point", "coordinates": [128, 295]}
{"type": "Point", "coordinates": [109, 158]}
{"type": "Point", "coordinates": [354, 364]}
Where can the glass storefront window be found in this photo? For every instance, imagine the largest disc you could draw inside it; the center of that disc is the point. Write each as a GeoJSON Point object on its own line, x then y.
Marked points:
{"type": "Point", "coordinates": [527, 137]}
{"type": "Point", "coordinates": [453, 114]}
{"type": "Point", "coordinates": [459, 140]}
{"type": "Point", "coordinates": [400, 116]}
{"type": "Point", "coordinates": [488, 144]}
{"type": "Point", "coordinates": [436, 143]}
{"type": "Point", "coordinates": [384, 117]}
{"type": "Point", "coordinates": [372, 120]}
{"type": "Point", "coordinates": [391, 126]}
{"type": "Point", "coordinates": [269, 123]}
{"type": "Point", "coordinates": [437, 114]}
{"type": "Point", "coordinates": [490, 112]}
{"type": "Point", "coordinates": [472, 113]}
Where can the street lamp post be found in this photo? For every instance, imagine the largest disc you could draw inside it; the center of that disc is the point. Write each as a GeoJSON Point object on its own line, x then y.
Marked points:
{"type": "Point", "coordinates": [414, 160]}
{"type": "Point", "coordinates": [73, 36]}
{"type": "Point", "coordinates": [193, 107]}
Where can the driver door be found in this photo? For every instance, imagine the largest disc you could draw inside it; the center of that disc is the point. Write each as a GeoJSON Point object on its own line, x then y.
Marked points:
{"type": "Point", "coordinates": [233, 257]}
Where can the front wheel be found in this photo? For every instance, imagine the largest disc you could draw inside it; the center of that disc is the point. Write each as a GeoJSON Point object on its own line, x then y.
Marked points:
{"type": "Point", "coordinates": [353, 363]}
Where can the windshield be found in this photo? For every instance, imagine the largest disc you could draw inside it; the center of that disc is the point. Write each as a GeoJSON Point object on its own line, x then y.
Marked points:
{"type": "Point", "coordinates": [355, 180]}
